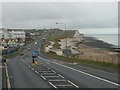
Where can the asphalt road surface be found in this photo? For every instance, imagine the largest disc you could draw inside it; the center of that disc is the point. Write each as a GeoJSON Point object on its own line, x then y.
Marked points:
{"type": "Point", "coordinates": [21, 76]}
{"type": "Point", "coordinates": [0, 75]}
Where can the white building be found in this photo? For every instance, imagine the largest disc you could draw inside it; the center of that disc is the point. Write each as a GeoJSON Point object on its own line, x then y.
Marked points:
{"type": "Point", "coordinates": [17, 34]}
{"type": "Point", "coordinates": [57, 51]}
{"type": "Point", "coordinates": [10, 34]}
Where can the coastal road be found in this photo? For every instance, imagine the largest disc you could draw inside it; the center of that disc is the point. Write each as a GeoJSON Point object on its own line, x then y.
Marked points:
{"type": "Point", "coordinates": [21, 76]}
{"type": "Point", "coordinates": [84, 77]}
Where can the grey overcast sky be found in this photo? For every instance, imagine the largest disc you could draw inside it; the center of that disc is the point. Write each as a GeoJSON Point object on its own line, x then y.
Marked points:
{"type": "Point", "coordinates": [76, 15]}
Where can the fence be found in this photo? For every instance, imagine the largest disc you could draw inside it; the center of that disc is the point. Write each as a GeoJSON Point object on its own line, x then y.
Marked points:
{"type": "Point", "coordinates": [108, 59]}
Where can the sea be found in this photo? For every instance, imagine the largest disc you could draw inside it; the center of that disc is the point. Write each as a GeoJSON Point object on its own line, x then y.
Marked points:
{"type": "Point", "coordinates": [109, 38]}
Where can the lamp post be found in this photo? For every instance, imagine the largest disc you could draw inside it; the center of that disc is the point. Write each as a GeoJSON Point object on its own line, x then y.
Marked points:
{"type": "Point", "coordinates": [65, 34]}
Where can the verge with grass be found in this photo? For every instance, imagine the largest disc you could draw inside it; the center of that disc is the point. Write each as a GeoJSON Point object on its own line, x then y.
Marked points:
{"type": "Point", "coordinates": [103, 64]}
{"type": "Point", "coordinates": [13, 54]}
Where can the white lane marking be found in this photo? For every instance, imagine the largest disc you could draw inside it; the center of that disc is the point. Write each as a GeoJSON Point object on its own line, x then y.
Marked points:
{"type": "Point", "coordinates": [54, 71]}
{"type": "Point", "coordinates": [97, 70]}
{"type": "Point", "coordinates": [61, 76]}
{"type": "Point", "coordinates": [73, 84]}
{"type": "Point", "coordinates": [43, 77]}
{"type": "Point", "coordinates": [51, 76]}
{"type": "Point", "coordinates": [57, 80]}
{"type": "Point", "coordinates": [52, 85]}
{"type": "Point", "coordinates": [44, 71]}
{"type": "Point", "coordinates": [105, 80]}
{"type": "Point", "coordinates": [32, 68]}
{"type": "Point", "coordinates": [37, 72]}
{"type": "Point", "coordinates": [99, 78]}
{"type": "Point", "coordinates": [29, 66]}
{"type": "Point", "coordinates": [48, 73]}
{"type": "Point", "coordinates": [8, 80]}
{"type": "Point", "coordinates": [65, 85]}
{"type": "Point", "coordinates": [48, 67]}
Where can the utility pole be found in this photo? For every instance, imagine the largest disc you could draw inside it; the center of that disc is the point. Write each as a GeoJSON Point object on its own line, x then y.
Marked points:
{"type": "Point", "coordinates": [65, 34]}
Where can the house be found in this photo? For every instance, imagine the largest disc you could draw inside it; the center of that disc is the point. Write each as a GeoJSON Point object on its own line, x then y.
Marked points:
{"type": "Point", "coordinates": [57, 51]}
{"type": "Point", "coordinates": [12, 34]}
{"type": "Point", "coordinates": [47, 48]}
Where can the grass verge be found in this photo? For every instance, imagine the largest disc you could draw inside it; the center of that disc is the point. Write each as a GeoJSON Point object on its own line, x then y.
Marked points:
{"type": "Point", "coordinates": [103, 64]}
{"type": "Point", "coordinates": [13, 54]}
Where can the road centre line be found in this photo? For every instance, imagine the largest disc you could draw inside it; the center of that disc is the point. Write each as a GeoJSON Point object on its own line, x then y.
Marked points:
{"type": "Point", "coordinates": [99, 78]}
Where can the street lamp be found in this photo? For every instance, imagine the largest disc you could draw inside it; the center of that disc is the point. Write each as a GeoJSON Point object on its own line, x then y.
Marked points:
{"type": "Point", "coordinates": [65, 33]}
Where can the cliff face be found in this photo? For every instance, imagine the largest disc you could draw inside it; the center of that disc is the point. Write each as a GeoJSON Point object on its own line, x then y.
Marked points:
{"type": "Point", "coordinates": [78, 36]}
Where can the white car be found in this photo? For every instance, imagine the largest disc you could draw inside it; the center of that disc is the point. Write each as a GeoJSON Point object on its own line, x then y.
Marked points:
{"type": "Point", "coordinates": [35, 42]}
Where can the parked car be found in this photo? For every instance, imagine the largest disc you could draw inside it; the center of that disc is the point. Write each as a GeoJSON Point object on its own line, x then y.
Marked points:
{"type": "Point", "coordinates": [21, 54]}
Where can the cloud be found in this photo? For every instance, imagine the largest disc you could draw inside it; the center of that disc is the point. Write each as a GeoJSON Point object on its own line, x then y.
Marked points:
{"type": "Point", "coordinates": [0, 15]}
{"type": "Point", "coordinates": [44, 15]}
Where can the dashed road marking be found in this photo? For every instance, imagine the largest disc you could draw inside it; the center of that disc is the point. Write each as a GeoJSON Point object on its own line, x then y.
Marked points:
{"type": "Point", "coordinates": [52, 85]}
{"type": "Point", "coordinates": [43, 77]}
{"type": "Point", "coordinates": [61, 76]}
{"type": "Point", "coordinates": [48, 67]}
{"type": "Point", "coordinates": [54, 71]}
{"type": "Point", "coordinates": [73, 84]}
{"type": "Point", "coordinates": [37, 72]}
{"type": "Point", "coordinates": [47, 76]}
{"type": "Point", "coordinates": [32, 69]}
